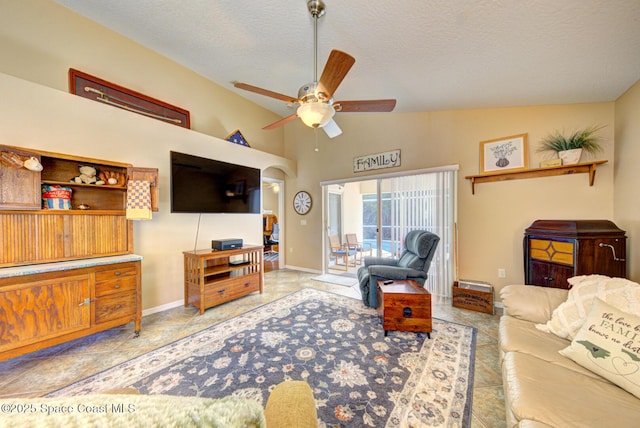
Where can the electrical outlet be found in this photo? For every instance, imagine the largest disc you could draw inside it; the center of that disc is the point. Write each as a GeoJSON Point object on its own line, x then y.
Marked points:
{"type": "Point", "coordinates": [502, 273]}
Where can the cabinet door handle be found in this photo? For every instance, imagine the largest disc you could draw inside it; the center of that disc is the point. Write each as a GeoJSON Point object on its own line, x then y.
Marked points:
{"type": "Point", "coordinates": [246, 284]}
{"type": "Point", "coordinates": [118, 307]}
{"type": "Point", "coordinates": [117, 286]}
{"type": "Point", "coordinates": [85, 302]}
{"type": "Point", "coordinates": [118, 273]}
{"type": "Point", "coordinates": [221, 291]}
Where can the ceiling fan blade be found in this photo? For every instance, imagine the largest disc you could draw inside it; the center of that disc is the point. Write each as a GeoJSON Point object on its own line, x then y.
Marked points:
{"type": "Point", "coordinates": [332, 129]}
{"type": "Point", "coordinates": [265, 92]}
{"type": "Point", "coordinates": [365, 106]}
{"type": "Point", "coordinates": [281, 122]}
{"type": "Point", "coordinates": [337, 67]}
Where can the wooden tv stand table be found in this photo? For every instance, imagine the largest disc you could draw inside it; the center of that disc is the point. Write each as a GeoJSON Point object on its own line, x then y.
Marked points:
{"type": "Point", "coordinates": [213, 277]}
{"type": "Point", "coordinates": [404, 305]}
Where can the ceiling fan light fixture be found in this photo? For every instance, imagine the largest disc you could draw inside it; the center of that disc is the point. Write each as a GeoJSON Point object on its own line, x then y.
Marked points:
{"type": "Point", "coordinates": [315, 115]}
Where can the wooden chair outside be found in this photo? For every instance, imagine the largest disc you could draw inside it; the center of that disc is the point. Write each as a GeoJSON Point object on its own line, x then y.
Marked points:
{"type": "Point", "coordinates": [341, 252]}
{"type": "Point", "coordinates": [359, 247]}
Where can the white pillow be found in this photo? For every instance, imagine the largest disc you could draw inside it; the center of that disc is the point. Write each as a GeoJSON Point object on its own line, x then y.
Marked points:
{"type": "Point", "coordinates": [567, 318]}
{"type": "Point", "coordinates": [609, 344]}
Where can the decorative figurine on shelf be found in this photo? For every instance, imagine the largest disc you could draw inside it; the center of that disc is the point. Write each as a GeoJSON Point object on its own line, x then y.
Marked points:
{"type": "Point", "coordinates": [87, 176]}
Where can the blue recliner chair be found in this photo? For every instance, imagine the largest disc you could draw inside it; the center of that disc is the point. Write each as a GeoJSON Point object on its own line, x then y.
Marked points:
{"type": "Point", "coordinates": [414, 263]}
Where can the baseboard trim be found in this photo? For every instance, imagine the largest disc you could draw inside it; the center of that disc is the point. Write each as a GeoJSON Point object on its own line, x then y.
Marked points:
{"type": "Point", "coordinates": [164, 307]}
{"type": "Point", "coordinates": [303, 269]}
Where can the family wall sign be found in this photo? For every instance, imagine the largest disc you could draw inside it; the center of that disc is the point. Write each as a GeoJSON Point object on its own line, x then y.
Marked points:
{"type": "Point", "coordinates": [389, 159]}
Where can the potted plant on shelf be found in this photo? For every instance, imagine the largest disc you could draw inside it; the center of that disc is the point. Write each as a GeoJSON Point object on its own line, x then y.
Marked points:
{"type": "Point", "coordinates": [570, 148]}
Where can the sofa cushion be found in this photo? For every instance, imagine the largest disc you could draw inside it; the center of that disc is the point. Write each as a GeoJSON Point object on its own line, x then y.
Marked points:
{"type": "Point", "coordinates": [530, 302]}
{"type": "Point", "coordinates": [609, 344]}
{"type": "Point", "coordinates": [522, 336]}
{"type": "Point", "coordinates": [568, 318]}
{"type": "Point", "coordinates": [550, 394]}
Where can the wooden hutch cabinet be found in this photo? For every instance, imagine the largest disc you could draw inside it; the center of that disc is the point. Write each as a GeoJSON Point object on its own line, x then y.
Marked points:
{"type": "Point", "coordinates": [556, 250]}
{"type": "Point", "coordinates": [65, 273]}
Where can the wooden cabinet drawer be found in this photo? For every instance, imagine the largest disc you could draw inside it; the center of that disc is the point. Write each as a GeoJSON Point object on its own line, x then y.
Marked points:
{"type": "Point", "coordinates": [121, 271]}
{"type": "Point", "coordinates": [125, 283]}
{"type": "Point", "coordinates": [114, 307]}
{"type": "Point", "coordinates": [230, 289]}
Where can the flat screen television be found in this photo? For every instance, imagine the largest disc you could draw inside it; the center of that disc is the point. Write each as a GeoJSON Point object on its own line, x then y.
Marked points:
{"type": "Point", "coordinates": [201, 185]}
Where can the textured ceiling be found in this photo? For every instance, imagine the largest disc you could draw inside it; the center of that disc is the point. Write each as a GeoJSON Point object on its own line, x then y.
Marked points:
{"type": "Point", "coordinates": [428, 54]}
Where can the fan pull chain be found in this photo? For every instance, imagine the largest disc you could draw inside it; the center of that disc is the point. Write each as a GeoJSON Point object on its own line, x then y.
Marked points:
{"type": "Point", "coordinates": [315, 131]}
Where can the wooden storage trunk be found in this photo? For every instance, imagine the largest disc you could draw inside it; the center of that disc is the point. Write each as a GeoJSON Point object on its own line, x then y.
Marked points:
{"type": "Point", "coordinates": [475, 300]}
{"type": "Point", "coordinates": [404, 305]}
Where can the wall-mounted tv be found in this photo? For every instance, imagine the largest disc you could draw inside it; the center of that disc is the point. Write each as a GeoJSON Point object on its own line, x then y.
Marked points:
{"type": "Point", "coordinates": [201, 185]}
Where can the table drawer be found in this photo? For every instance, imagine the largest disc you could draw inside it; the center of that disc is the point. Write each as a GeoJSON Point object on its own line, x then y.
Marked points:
{"type": "Point", "coordinates": [231, 289]}
{"type": "Point", "coordinates": [125, 283]}
{"type": "Point", "coordinates": [128, 269]}
{"type": "Point", "coordinates": [114, 307]}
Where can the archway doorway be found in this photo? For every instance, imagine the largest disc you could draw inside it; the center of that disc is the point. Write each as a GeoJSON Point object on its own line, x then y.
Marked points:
{"type": "Point", "coordinates": [273, 223]}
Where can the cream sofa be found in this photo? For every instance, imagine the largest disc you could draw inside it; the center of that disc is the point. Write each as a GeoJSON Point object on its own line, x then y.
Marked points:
{"type": "Point", "coordinates": [542, 388]}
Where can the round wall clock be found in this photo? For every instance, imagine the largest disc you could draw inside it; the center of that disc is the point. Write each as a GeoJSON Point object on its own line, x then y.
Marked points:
{"type": "Point", "coordinates": [302, 202]}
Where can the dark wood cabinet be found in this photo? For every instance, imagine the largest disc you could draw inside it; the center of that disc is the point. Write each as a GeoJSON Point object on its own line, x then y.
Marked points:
{"type": "Point", "coordinates": [556, 250]}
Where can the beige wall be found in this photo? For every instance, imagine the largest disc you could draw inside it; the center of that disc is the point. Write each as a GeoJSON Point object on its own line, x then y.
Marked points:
{"type": "Point", "coordinates": [40, 40]}
{"type": "Point", "coordinates": [491, 223]}
{"type": "Point", "coordinates": [270, 199]}
{"type": "Point", "coordinates": [627, 177]}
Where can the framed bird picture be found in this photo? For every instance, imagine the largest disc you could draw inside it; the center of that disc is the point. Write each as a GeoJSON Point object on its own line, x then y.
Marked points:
{"type": "Point", "coordinates": [236, 137]}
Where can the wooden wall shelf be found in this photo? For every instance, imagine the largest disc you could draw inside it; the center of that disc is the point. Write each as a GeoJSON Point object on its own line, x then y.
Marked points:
{"type": "Point", "coordinates": [586, 167]}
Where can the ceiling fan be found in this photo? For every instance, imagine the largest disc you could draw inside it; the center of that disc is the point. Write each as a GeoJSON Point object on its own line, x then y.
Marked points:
{"type": "Point", "coordinates": [316, 106]}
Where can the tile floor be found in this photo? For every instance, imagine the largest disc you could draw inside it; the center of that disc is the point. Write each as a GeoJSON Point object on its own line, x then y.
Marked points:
{"type": "Point", "coordinates": [37, 373]}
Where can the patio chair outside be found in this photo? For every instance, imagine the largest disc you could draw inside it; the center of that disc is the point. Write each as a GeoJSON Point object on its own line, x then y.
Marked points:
{"type": "Point", "coordinates": [359, 247]}
{"type": "Point", "coordinates": [341, 252]}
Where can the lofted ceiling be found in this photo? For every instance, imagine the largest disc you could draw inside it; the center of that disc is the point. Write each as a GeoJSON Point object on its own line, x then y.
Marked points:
{"type": "Point", "coordinates": [428, 54]}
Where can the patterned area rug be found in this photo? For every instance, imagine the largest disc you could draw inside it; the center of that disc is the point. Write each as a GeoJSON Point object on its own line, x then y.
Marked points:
{"type": "Point", "coordinates": [359, 376]}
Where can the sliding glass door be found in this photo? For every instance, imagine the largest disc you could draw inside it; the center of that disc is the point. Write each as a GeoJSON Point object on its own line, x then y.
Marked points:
{"type": "Point", "coordinates": [393, 205]}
